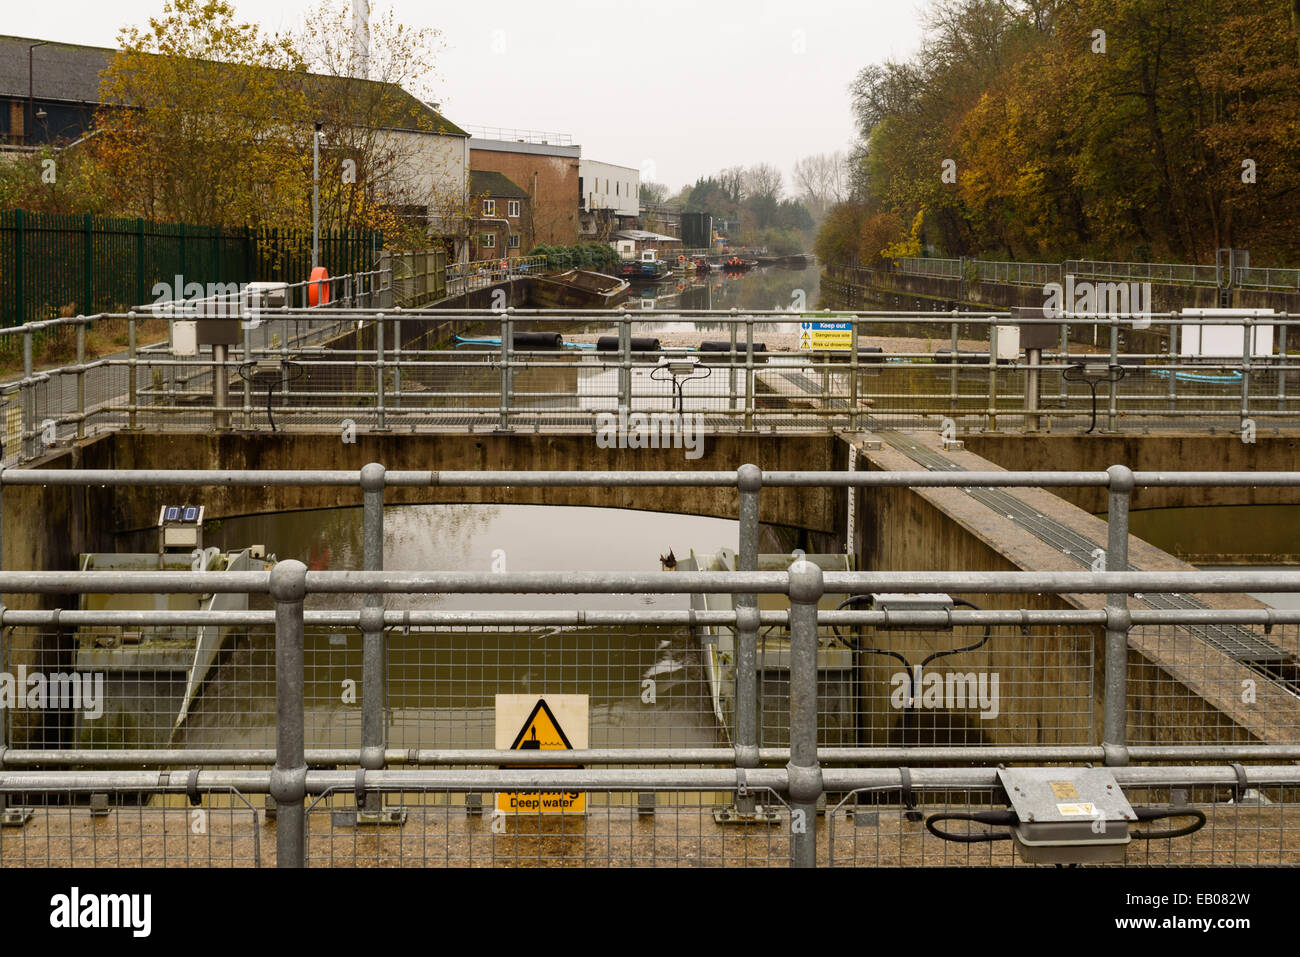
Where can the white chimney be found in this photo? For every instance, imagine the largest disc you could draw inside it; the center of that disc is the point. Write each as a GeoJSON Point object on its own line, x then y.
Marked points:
{"type": "Point", "coordinates": [361, 39]}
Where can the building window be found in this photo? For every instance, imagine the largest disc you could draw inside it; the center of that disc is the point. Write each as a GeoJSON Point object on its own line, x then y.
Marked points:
{"type": "Point", "coordinates": [513, 242]}
{"type": "Point", "coordinates": [512, 207]}
{"type": "Point", "coordinates": [617, 187]}
{"type": "Point", "coordinates": [489, 240]}
{"type": "Point", "coordinates": [489, 207]}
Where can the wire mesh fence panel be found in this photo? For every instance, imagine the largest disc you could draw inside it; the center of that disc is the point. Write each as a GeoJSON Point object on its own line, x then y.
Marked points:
{"type": "Point", "coordinates": [114, 688]}
{"type": "Point", "coordinates": [132, 829]}
{"type": "Point", "coordinates": [445, 828]}
{"type": "Point", "coordinates": [645, 687]}
{"type": "Point", "coordinates": [882, 828]}
{"type": "Point", "coordinates": [1213, 684]}
{"type": "Point", "coordinates": [968, 686]}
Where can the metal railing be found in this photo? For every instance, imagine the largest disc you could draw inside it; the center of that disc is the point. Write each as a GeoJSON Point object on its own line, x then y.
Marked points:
{"type": "Point", "coordinates": [375, 368]}
{"type": "Point", "coordinates": [1147, 654]}
{"type": "Point", "coordinates": [479, 274]}
{"type": "Point", "coordinates": [1038, 274]}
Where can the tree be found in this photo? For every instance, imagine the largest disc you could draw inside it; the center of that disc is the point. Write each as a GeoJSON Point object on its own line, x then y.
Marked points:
{"type": "Point", "coordinates": [821, 181]}
{"type": "Point", "coordinates": [653, 194]}
{"type": "Point", "coordinates": [763, 182]}
{"type": "Point", "coordinates": [370, 174]}
{"type": "Point", "coordinates": [200, 123]}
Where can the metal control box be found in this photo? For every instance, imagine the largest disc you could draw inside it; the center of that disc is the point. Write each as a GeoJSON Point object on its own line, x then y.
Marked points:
{"type": "Point", "coordinates": [1068, 815]}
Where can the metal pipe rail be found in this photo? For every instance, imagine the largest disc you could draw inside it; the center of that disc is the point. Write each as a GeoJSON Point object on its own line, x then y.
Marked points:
{"type": "Point", "coordinates": [317, 782]}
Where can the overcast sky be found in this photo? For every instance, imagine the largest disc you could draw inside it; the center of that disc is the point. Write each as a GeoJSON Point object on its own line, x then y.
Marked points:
{"type": "Point", "coordinates": [677, 89]}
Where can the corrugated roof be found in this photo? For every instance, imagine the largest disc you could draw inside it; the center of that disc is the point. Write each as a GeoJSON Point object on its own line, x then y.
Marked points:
{"type": "Point", "coordinates": [486, 182]}
{"type": "Point", "coordinates": [69, 72]}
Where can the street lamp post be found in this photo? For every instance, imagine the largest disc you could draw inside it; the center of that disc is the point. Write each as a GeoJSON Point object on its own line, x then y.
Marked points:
{"type": "Point", "coordinates": [315, 197]}
{"type": "Point", "coordinates": [31, 112]}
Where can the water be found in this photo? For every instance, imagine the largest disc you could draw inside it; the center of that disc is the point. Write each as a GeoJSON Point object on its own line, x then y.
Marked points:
{"type": "Point", "coordinates": [646, 685]}
{"type": "Point", "coordinates": [764, 287]}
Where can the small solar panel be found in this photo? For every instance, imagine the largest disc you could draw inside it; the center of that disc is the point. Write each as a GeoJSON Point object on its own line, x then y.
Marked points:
{"type": "Point", "coordinates": [191, 513]}
{"type": "Point", "coordinates": [172, 514]}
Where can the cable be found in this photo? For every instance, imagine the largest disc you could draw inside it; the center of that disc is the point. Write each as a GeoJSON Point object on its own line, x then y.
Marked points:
{"type": "Point", "coordinates": [1007, 818]}
{"type": "Point", "coordinates": [1114, 374]}
{"type": "Point", "coordinates": [1158, 814]}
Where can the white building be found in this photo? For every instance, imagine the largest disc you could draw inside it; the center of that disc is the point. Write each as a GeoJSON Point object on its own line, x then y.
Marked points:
{"type": "Point", "coordinates": [608, 197]}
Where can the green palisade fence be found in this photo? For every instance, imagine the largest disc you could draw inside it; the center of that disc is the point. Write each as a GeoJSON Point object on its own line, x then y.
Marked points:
{"type": "Point", "coordinates": [52, 265]}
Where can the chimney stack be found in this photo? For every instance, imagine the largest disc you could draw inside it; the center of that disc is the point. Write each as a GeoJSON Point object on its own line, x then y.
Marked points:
{"type": "Point", "coordinates": [361, 39]}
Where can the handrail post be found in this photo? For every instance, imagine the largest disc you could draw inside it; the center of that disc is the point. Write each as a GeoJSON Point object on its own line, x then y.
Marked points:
{"type": "Point", "coordinates": [132, 373]}
{"type": "Point", "coordinates": [248, 360]}
{"type": "Point", "coordinates": [952, 374]}
{"type": "Point", "coordinates": [289, 776]}
{"type": "Point", "coordinates": [853, 373]}
{"type": "Point", "coordinates": [804, 769]}
{"type": "Point", "coordinates": [28, 400]}
{"type": "Point", "coordinates": [749, 371]}
{"type": "Point", "coordinates": [381, 425]}
{"type": "Point", "coordinates": [1118, 620]}
{"type": "Point", "coordinates": [1112, 396]}
{"type": "Point", "coordinates": [1247, 334]}
{"type": "Point", "coordinates": [624, 366]}
{"type": "Point", "coordinates": [81, 377]}
{"type": "Point", "coordinates": [992, 413]}
{"type": "Point", "coordinates": [749, 482]}
{"type": "Point", "coordinates": [373, 678]}
{"type": "Point", "coordinates": [507, 373]}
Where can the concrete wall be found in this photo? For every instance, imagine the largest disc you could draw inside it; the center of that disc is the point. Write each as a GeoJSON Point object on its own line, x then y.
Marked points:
{"type": "Point", "coordinates": [1169, 452]}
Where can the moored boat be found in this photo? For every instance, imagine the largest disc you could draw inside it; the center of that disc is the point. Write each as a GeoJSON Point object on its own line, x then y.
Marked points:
{"type": "Point", "coordinates": [579, 289]}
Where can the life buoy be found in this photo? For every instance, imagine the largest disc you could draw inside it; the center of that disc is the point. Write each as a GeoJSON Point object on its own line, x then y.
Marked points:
{"type": "Point", "coordinates": [681, 259]}
{"type": "Point", "coordinates": [503, 264]}
{"type": "Point", "coordinates": [318, 293]}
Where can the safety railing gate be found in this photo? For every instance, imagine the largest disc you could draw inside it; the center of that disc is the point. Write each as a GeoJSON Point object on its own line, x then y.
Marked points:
{"type": "Point", "coordinates": [824, 753]}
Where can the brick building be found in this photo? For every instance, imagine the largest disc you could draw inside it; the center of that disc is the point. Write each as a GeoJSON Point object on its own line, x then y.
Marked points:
{"type": "Point", "coordinates": [547, 172]}
{"type": "Point", "coordinates": [503, 226]}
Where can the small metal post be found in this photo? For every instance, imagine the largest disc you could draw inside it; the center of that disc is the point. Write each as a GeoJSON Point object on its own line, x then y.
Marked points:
{"type": "Point", "coordinates": [1033, 358]}
{"type": "Point", "coordinates": [81, 377]}
{"type": "Point", "coordinates": [853, 374]}
{"type": "Point", "coordinates": [952, 374]}
{"type": "Point", "coordinates": [507, 378]}
{"type": "Point", "coordinates": [132, 376]}
{"type": "Point", "coordinates": [1118, 620]}
{"type": "Point", "coordinates": [749, 372]}
{"type": "Point", "coordinates": [1065, 360]}
{"type": "Point", "coordinates": [731, 370]}
{"type": "Point", "coordinates": [992, 413]}
{"type": "Point", "coordinates": [381, 424]}
{"type": "Point", "coordinates": [1281, 371]}
{"type": "Point", "coordinates": [28, 400]}
{"type": "Point", "coordinates": [247, 358]}
{"type": "Point", "coordinates": [1112, 396]}
{"type": "Point", "coordinates": [220, 388]}
{"type": "Point", "coordinates": [625, 366]}
{"type": "Point", "coordinates": [1173, 361]}
{"type": "Point", "coordinates": [397, 359]}
{"type": "Point", "coordinates": [1247, 334]}
{"type": "Point", "coordinates": [804, 769]}
{"type": "Point", "coordinates": [289, 776]}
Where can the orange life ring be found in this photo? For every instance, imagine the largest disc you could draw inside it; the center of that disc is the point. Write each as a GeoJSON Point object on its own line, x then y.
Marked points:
{"type": "Point", "coordinates": [318, 293]}
{"type": "Point", "coordinates": [503, 264]}
{"type": "Point", "coordinates": [681, 259]}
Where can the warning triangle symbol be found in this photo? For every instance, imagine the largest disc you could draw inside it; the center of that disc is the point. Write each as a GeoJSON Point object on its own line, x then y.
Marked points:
{"type": "Point", "coordinates": [541, 731]}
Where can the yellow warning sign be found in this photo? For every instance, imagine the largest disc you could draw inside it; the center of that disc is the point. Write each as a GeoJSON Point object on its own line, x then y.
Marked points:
{"type": "Point", "coordinates": [825, 335]}
{"type": "Point", "coordinates": [550, 723]}
{"type": "Point", "coordinates": [1064, 789]}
